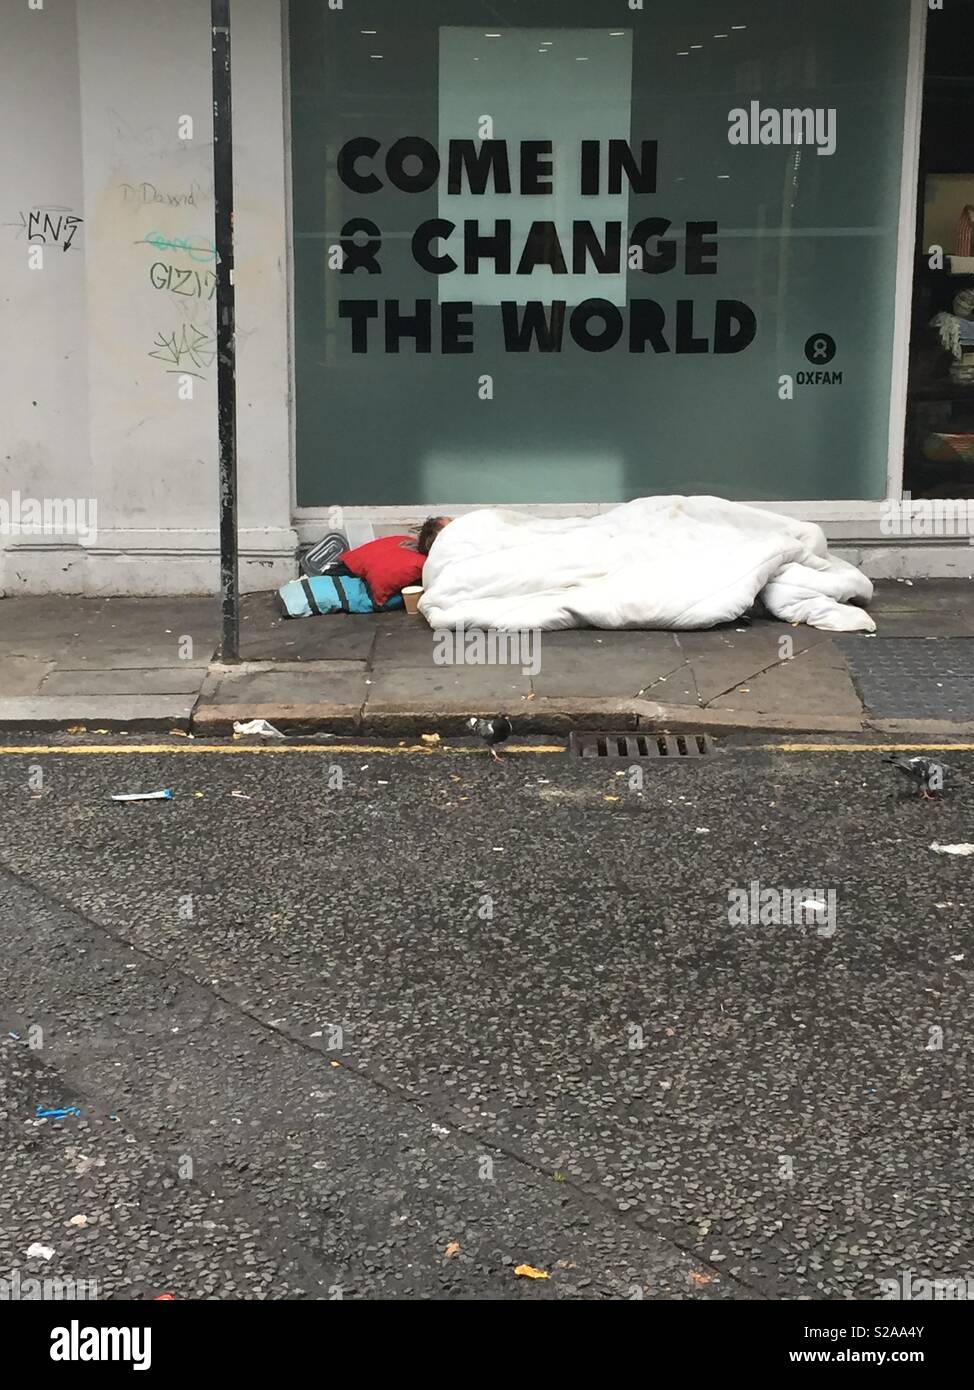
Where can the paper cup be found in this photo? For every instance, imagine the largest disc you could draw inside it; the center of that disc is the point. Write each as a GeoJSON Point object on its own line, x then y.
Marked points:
{"type": "Point", "coordinates": [411, 597]}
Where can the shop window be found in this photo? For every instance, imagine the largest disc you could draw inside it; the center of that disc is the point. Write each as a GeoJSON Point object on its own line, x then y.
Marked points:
{"type": "Point", "coordinates": [693, 211]}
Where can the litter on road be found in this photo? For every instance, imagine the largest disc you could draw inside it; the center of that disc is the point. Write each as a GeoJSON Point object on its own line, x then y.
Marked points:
{"type": "Point", "coordinates": [144, 796]}
{"type": "Point", "coordinates": [952, 849]}
{"type": "Point", "coordinates": [40, 1252]}
{"type": "Point", "coordinates": [256, 728]}
{"type": "Point", "coordinates": [57, 1112]}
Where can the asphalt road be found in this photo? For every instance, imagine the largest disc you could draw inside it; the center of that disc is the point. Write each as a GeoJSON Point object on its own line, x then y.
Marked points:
{"type": "Point", "coordinates": [399, 1036]}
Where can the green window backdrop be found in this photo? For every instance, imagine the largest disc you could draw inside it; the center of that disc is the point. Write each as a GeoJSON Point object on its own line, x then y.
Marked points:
{"type": "Point", "coordinates": [806, 241]}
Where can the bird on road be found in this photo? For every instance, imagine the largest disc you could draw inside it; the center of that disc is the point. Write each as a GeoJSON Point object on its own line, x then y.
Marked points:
{"type": "Point", "coordinates": [492, 731]}
{"type": "Point", "coordinates": [925, 774]}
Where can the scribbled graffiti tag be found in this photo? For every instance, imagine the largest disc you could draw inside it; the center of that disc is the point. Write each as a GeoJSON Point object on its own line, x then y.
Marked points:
{"type": "Point", "coordinates": [145, 193]}
{"type": "Point", "coordinates": [49, 226]}
{"type": "Point", "coordinates": [198, 248]}
{"type": "Point", "coordinates": [183, 351]}
{"type": "Point", "coordinates": [191, 283]}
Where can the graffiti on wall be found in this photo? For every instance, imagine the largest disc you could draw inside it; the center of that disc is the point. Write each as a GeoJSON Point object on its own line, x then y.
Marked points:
{"type": "Point", "coordinates": [146, 194]}
{"type": "Point", "coordinates": [197, 248]}
{"type": "Point", "coordinates": [168, 215]}
{"type": "Point", "coordinates": [190, 351]}
{"type": "Point", "coordinates": [48, 226]}
{"type": "Point", "coordinates": [189, 283]}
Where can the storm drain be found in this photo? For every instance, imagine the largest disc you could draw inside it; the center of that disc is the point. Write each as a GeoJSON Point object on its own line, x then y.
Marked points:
{"type": "Point", "coordinates": [642, 747]}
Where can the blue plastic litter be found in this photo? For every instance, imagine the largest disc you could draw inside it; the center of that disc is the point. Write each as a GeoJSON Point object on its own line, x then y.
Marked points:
{"type": "Point", "coordinates": [58, 1113]}
{"type": "Point", "coordinates": [165, 795]}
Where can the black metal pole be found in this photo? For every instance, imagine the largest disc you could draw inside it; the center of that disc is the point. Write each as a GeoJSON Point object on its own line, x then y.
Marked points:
{"type": "Point", "coordinates": [226, 372]}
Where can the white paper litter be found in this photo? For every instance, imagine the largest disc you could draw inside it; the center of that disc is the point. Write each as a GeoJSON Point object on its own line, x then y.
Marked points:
{"type": "Point", "coordinates": [40, 1252]}
{"type": "Point", "coordinates": [952, 849]}
{"type": "Point", "coordinates": [258, 727]}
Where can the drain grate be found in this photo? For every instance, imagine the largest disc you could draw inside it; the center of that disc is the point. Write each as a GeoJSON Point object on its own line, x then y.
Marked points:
{"type": "Point", "coordinates": [641, 747]}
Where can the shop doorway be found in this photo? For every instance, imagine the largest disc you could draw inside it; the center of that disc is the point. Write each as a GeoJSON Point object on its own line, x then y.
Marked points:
{"type": "Point", "coordinates": [939, 459]}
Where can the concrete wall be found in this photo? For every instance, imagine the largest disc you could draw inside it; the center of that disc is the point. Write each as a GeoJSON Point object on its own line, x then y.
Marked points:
{"type": "Point", "coordinates": [43, 367]}
{"type": "Point", "coordinates": [114, 336]}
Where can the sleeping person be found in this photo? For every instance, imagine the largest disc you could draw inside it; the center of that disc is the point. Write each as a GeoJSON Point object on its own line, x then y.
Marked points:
{"type": "Point", "coordinates": [368, 579]}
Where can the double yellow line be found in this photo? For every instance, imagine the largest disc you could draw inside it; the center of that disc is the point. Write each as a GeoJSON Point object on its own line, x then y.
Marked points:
{"type": "Point", "coordinates": [40, 750]}
{"type": "Point", "coordinates": [860, 747]}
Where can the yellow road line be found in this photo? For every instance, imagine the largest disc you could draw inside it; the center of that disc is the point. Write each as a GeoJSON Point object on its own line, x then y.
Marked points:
{"type": "Point", "coordinates": [385, 749]}
{"type": "Point", "coordinates": [859, 747]}
{"type": "Point", "coordinates": [40, 750]}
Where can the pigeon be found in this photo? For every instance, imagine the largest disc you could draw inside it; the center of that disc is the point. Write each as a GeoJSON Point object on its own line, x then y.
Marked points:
{"type": "Point", "coordinates": [926, 775]}
{"type": "Point", "coordinates": [492, 731]}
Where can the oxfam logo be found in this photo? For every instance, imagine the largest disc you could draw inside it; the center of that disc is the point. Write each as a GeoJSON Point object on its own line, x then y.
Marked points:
{"type": "Point", "coordinates": [820, 348]}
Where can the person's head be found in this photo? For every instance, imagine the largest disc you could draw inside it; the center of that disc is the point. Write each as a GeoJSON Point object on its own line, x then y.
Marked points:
{"type": "Point", "coordinates": [429, 531]}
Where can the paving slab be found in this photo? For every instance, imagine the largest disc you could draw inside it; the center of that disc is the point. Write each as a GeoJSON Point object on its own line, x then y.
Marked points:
{"type": "Point", "coordinates": [677, 687]}
{"type": "Point", "coordinates": [126, 633]}
{"type": "Point", "coordinates": [933, 595]}
{"type": "Point", "coordinates": [297, 687]}
{"type": "Point", "coordinates": [159, 652]}
{"type": "Point", "coordinates": [614, 643]}
{"type": "Point", "coordinates": [442, 687]}
{"type": "Point", "coordinates": [45, 624]}
{"type": "Point", "coordinates": [267, 635]}
{"type": "Point", "coordinates": [130, 632]}
{"type": "Point", "coordinates": [814, 682]}
{"type": "Point", "coordinates": [135, 615]}
{"type": "Point", "coordinates": [139, 680]}
{"type": "Point", "coordinates": [721, 661]}
{"type": "Point", "coordinates": [22, 675]}
{"type": "Point", "coordinates": [405, 642]}
{"type": "Point", "coordinates": [592, 667]}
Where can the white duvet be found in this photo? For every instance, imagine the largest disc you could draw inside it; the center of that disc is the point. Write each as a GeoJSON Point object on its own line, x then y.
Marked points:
{"type": "Point", "coordinates": [659, 562]}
